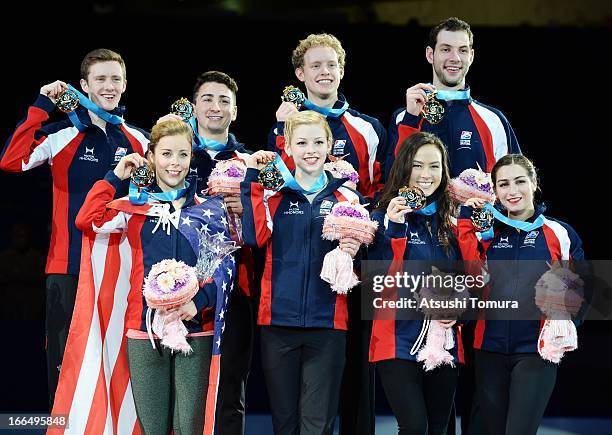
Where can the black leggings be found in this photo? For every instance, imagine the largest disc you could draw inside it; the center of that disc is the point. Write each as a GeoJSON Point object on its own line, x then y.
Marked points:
{"type": "Point", "coordinates": [420, 400]}
{"type": "Point", "coordinates": [303, 369]}
{"type": "Point", "coordinates": [513, 391]}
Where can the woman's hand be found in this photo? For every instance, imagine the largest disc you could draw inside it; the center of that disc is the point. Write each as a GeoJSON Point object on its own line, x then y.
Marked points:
{"type": "Point", "coordinates": [475, 203]}
{"type": "Point", "coordinates": [446, 323]}
{"type": "Point", "coordinates": [128, 164]}
{"type": "Point", "coordinates": [350, 246]}
{"type": "Point", "coordinates": [233, 204]}
{"type": "Point", "coordinates": [260, 159]}
{"type": "Point", "coordinates": [397, 210]}
{"type": "Point", "coordinates": [187, 311]}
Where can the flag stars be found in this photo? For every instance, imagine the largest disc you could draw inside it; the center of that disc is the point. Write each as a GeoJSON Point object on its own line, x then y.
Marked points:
{"type": "Point", "coordinates": [207, 213]}
{"type": "Point", "coordinates": [186, 221]}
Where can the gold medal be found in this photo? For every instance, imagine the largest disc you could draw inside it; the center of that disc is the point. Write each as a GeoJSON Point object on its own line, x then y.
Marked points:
{"type": "Point", "coordinates": [415, 198]}
{"type": "Point", "coordinates": [67, 101]}
{"type": "Point", "coordinates": [183, 108]}
{"type": "Point", "coordinates": [482, 219]}
{"type": "Point", "coordinates": [270, 177]}
{"type": "Point", "coordinates": [433, 110]}
{"type": "Point", "coordinates": [143, 177]}
{"type": "Point", "coordinates": [291, 94]}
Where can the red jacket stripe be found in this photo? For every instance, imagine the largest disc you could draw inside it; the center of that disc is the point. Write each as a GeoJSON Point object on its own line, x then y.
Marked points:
{"type": "Point", "coordinates": [485, 137]}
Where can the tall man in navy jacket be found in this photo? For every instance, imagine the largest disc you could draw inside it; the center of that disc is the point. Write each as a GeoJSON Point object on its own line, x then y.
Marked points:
{"type": "Point", "coordinates": [81, 150]}
{"type": "Point", "coordinates": [475, 134]}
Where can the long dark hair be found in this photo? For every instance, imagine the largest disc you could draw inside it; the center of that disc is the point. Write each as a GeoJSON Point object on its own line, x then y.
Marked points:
{"type": "Point", "coordinates": [400, 173]}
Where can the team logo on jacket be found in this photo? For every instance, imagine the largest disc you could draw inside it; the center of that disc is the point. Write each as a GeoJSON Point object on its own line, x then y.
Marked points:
{"type": "Point", "coordinates": [119, 153]}
{"type": "Point", "coordinates": [503, 243]}
{"type": "Point", "coordinates": [530, 239]}
{"type": "Point", "coordinates": [415, 239]}
{"type": "Point", "coordinates": [326, 207]}
{"type": "Point", "coordinates": [294, 208]}
{"type": "Point", "coordinates": [338, 148]}
{"type": "Point", "coordinates": [465, 140]}
{"type": "Point", "coordinates": [89, 156]}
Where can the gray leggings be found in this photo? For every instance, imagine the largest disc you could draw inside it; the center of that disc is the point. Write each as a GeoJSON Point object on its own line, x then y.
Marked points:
{"type": "Point", "coordinates": [169, 389]}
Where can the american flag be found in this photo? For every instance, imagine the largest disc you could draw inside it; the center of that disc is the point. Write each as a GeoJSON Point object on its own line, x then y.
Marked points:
{"type": "Point", "coordinates": [94, 388]}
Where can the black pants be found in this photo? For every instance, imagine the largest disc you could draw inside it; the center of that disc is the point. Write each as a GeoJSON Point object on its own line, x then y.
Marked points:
{"type": "Point", "coordinates": [357, 413]}
{"type": "Point", "coordinates": [235, 365]}
{"type": "Point", "coordinates": [421, 401]}
{"type": "Point", "coordinates": [60, 297]}
{"type": "Point", "coordinates": [471, 415]}
{"type": "Point", "coordinates": [513, 391]}
{"type": "Point", "coordinates": [303, 370]}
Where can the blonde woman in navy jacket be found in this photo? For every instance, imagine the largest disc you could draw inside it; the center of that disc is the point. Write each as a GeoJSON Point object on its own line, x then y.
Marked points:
{"type": "Point", "coordinates": [304, 322]}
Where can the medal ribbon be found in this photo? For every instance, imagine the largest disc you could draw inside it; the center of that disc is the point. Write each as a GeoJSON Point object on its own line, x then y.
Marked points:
{"type": "Point", "coordinates": [519, 225]}
{"type": "Point", "coordinates": [144, 196]}
{"type": "Point", "coordinates": [332, 113]}
{"type": "Point", "coordinates": [93, 107]}
{"type": "Point", "coordinates": [289, 180]}
{"type": "Point", "coordinates": [453, 95]}
{"type": "Point", "coordinates": [429, 210]}
{"type": "Point", "coordinates": [201, 143]}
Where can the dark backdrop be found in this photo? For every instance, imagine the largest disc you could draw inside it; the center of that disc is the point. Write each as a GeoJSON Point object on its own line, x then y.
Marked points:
{"type": "Point", "coordinates": [550, 83]}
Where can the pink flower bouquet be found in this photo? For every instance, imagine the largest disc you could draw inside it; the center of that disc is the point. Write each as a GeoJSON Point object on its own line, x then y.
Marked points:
{"type": "Point", "coordinates": [340, 168]}
{"type": "Point", "coordinates": [169, 285]}
{"type": "Point", "coordinates": [472, 183]}
{"type": "Point", "coordinates": [438, 302]}
{"type": "Point", "coordinates": [346, 220]}
{"type": "Point", "coordinates": [225, 180]}
{"type": "Point", "coordinates": [559, 295]}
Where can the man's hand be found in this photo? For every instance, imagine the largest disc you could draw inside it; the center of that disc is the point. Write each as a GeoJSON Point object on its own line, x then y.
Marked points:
{"type": "Point", "coordinates": [285, 110]}
{"type": "Point", "coordinates": [416, 98]}
{"type": "Point", "coordinates": [54, 90]}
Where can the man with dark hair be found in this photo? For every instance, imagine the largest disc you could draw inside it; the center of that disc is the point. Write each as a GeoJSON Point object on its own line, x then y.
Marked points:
{"type": "Point", "coordinates": [475, 134]}
{"type": "Point", "coordinates": [214, 99]}
{"type": "Point", "coordinates": [81, 149]}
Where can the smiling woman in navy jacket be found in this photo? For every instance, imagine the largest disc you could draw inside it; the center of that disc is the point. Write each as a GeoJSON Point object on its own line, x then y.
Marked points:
{"type": "Point", "coordinates": [303, 334]}
{"type": "Point", "coordinates": [420, 400]}
{"type": "Point", "coordinates": [513, 382]}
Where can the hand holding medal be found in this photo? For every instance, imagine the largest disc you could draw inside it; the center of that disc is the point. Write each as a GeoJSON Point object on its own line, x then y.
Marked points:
{"type": "Point", "coordinates": [433, 110]}
{"type": "Point", "coordinates": [183, 108]}
{"type": "Point", "coordinates": [414, 196]}
{"type": "Point", "coordinates": [143, 177]}
{"type": "Point", "coordinates": [292, 100]}
{"type": "Point", "coordinates": [269, 175]}
{"type": "Point", "coordinates": [291, 94]}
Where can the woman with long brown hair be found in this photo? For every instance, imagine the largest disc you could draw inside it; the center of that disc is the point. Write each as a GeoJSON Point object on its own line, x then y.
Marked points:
{"type": "Point", "coordinates": [421, 400]}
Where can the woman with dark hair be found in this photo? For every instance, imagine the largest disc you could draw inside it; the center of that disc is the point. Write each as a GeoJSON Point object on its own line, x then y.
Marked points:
{"type": "Point", "coordinates": [421, 400]}
{"type": "Point", "coordinates": [513, 382]}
